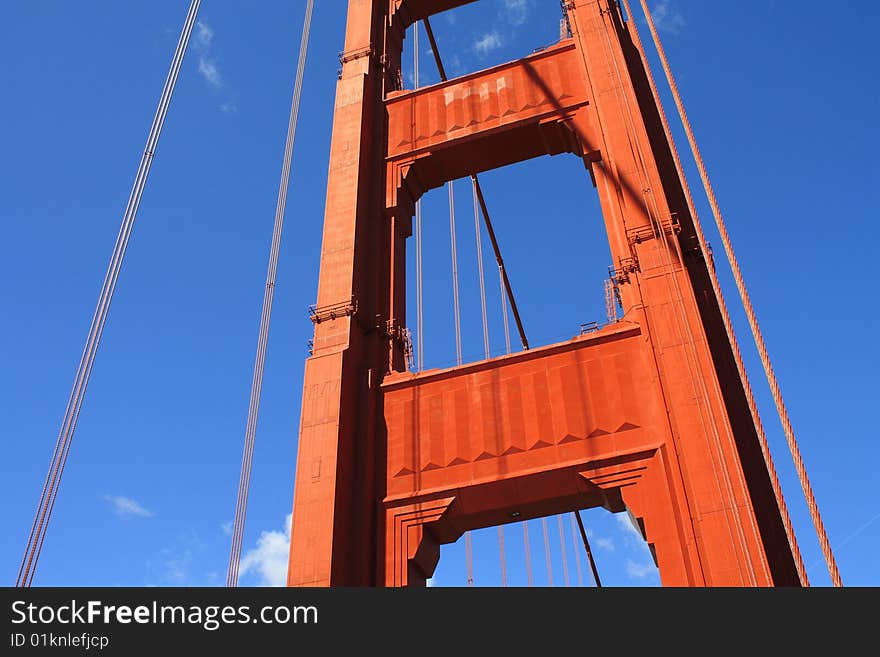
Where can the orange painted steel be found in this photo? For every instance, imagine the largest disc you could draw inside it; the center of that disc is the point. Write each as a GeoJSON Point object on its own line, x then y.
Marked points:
{"type": "Point", "coordinates": [728, 326]}
{"type": "Point", "coordinates": [648, 415]}
{"type": "Point", "coordinates": [781, 410]}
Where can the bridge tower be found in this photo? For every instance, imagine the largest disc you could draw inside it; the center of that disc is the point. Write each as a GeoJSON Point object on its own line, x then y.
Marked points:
{"type": "Point", "coordinates": [647, 415]}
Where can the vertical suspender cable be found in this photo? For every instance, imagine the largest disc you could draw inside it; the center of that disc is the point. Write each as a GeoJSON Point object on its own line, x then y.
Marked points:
{"type": "Point", "coordinates": [577, 553]}
{"type": "Point", "coordinates": [480, 271]}
{"type": "Point", "coordinates": [486, 350]}
{"type": "Point", "coordinates": [469, 558]}
{"type": "Point", "coordinates": [71, 415]}
{"type": "Point", "coordinates": [504, 310]}
{"type": "Point", "coordinates": [502, 556]}
{"type": "Point", "coordinates": [547, 552]}
{"type": "Point", "coordinates": [562, 548]}
{"type": "Point", "coordinates": [468, 544]}
{"type": "Point", "coordinates": [266, 315]}
{"type": "Point", "coordinates": [455, 299]}
{"type": "Point", "coordinates": [420, 339]}
{"type": "Point", "coordinates": [750, 314]}
{"type": "Point", "coordinates": [527, 549]}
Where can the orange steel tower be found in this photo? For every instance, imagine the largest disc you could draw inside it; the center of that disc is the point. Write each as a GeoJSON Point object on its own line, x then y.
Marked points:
{"type": "Point", "coordinates": [647, 415]}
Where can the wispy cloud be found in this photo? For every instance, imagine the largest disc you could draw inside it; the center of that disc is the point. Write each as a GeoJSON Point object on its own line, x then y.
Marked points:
{"type": "Point", "coordinates": [268, 560]}
{"type": "Point", "coordinates": [668, 17]}
{"type": "Point", "coordinates": [487, 43]}
{"type": "Point", "coordinates": [639, 570]}
{"type": "Point", "coordinates": [208, 69]}
{"type": "Point", "coordinates": [127, 507]}
{"type": "Point", "coordinates": [605, 544]}
{"type": "Point", "coordinates": [181, 563]}
{"type": "Point", "coordinates": [517, 11]}
{"type": "Point", "coordinates": [202, 43]}
{"type": "Point", "coordinates": [226, 528]}
{"type": "Point", "coordinates": [204, 35]}
{"type": "Point", "coordinates": [177, 567]}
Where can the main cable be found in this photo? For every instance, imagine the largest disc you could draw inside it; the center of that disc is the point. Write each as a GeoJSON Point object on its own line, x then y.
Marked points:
{"type": "Point", "coordinates": [266, 314]}
{"type": "Point", "coordinates": [61, 451]}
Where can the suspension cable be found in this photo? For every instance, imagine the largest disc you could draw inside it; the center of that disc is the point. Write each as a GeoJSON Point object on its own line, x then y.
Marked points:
{"type": "Point", "coordinates": [577, 553]}
{"type": "Point", "coordinates": [562, 548]}
{"type": "Point", "coordinates": [469, 558]}
{"type": "Point", "coordinates": [486, 350]}
{"type": "Point", "coordinates": [504, 311]}
{"type": "Point", "coordinates": [456, 304]}
{"type": "Point", "coordinates": [469, 554]}
{"type": "Point", "coordinates": [580, 524]}
{"type": "Point", "coordinates": [502, 556]}
{"type": "Point", "coordinates": [725, 315]}
{"type": "Point", "coordinates": [749, 309]}
{"type": "Point", "coordinates": [420, 348]}
{"type": "Point", "coordinates": [527, 549]}
{"type": "Point", "coordinates": [481, 273]}
{"type": "Point", "coordinates": [58, 461]}
{"type": "Point", "coordinates": [547, 552]}
{"type": "Point", "coordinates": [266, 314]}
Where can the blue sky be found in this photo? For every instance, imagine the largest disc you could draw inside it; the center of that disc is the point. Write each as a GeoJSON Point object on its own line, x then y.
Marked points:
{"type": "Point", "coordinates": [784, 106]}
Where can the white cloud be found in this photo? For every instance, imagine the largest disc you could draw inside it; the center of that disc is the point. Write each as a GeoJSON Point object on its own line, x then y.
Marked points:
{"type": "Point", "coordinates": [488, 42]}
{"type": "Point", "coordinates": [268, 560]}
{"type": "Point", "coordinates": [204, 36]}
{"type": "Point", "coordinates": [127, 507]}
{"type": "Point", "coordinates": [668, 18]}
{"type": "Point", "coordinates": [226, 527]}
{"type": "Point", "coordinates": [229, 108]}
{"type": "Point", "coordinates": [180, 564]}
{"type": "Point", "coordinates": [202, 42]}
{"type": "Point", "coordinates": [177, 568]}
{"type": "Point", "coordinates": [639, 570]}
{"type": "Point", "coordinates": [517, 11]}
{"type": "Point", "coordinates": [209, 71]}
{"type": "Point", "coordinates": [605, 544]}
